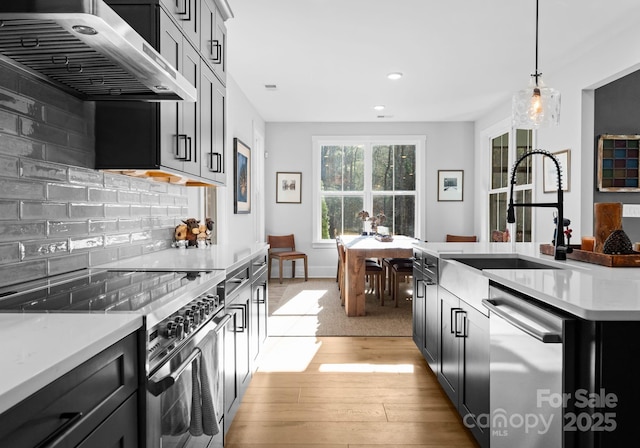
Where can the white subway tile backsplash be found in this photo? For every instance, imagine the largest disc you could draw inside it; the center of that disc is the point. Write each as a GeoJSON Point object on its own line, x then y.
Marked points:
{"type": "Point", "coordinates": [59, 192]}
{"type": "Point", "coordinates": [56, 213]}
{"type": "Point", "coordinates": [21, 147]}
{"type": "Point", "coordinates": [42, 248]}
{"type": "Point", "coordinates": [9, 210]}
{"type": "Point", "coordinates": [115, 239]}
{"type": "Point", "coordinates": [43, 210]}
{"type": "Point", "coordinates": [9, 166]}
{"type": "Point", "coordinates": [19, 230]}
{"type": "Point", "coordinates": [67, 228]}
{"type": "Point", "coordinates": [102, 195]}
{"type": "Point", "coordinates": [103, 226]}
{"type": "Point", "coordinates": [84, 176]}
{"type": "Point", "coordinates": [59, 265]}
{"type": "Point", "coordinates": [21, 189]}
{"type": "Point", "coordinates": [9, 253]}
{"type": "Point", "coordinates": [90, 242]}
{"type": "Point", "coordinates": [115, 211]}
{"type": "Point", "coordinates": [40, 170]}
{"type": "Point", "coordinates": [86, 211]}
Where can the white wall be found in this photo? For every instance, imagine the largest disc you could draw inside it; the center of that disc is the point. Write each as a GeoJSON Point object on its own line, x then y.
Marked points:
{"type": "Point", "coordinates": [243, 121]}
{"type": "Point", "coordinates": [616, 55]}
{"type": "Point", "coordinates": [288, 145]}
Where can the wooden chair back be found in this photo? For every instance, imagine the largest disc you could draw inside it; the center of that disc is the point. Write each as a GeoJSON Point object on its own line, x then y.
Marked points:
{"type": "Point", "coordinates": [282, 242]}
{"type": "Point", "coordinates": [461, 238]}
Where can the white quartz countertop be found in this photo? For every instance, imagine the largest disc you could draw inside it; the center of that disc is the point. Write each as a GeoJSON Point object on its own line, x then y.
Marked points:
{"type": "Point", "coordinates": [37, 349]}
{"type": "Point", "coordinates": [586, 290]}
{"type": "Point", "coordinates": [223, 257]}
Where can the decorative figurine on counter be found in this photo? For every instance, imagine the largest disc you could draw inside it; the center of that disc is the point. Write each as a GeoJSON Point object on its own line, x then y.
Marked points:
{"type": "Point", "coordinates": [209, 225]}
{"type": "Point", "coordinates": [180, 235]}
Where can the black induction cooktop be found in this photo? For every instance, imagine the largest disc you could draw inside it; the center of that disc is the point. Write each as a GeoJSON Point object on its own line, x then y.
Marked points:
{"type": "Point", "coordinates": [99, 290]}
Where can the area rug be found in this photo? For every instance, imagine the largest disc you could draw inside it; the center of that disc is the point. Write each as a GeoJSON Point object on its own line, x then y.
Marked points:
{"type": "Point", "coordinates": [313, 308]}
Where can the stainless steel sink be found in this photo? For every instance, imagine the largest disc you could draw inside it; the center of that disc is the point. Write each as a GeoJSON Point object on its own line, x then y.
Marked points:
{"type": "Point", "coordinates": [502, 263]}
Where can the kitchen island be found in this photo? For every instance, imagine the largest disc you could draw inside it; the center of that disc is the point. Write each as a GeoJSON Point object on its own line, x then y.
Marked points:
{"type": "Point", "coordinates": [597, 354]}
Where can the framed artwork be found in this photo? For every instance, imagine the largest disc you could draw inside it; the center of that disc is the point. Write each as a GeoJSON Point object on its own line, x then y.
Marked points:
{"type": "Point", "coordinates": [450, 185]}
{"type": "Point", "coordinates": [241, 177]}
{"type": "Point", "coordinates": [618, 163]}
{"type": "Point", "coordinates": [288, 188]}
{"type": "Point", "coordinates": [550, 174]}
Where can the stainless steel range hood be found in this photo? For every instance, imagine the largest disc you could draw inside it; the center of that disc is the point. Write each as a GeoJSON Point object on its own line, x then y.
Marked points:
{"type": "Point", "coordinates": [86, 49]}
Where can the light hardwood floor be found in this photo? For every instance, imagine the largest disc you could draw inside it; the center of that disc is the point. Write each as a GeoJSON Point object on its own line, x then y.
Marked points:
{"type": "Point", "coordinates": [345, 392]}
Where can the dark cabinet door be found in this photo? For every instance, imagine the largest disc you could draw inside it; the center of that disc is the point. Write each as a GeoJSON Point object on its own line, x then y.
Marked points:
{"type": "Point", "coordinates": [474, 370]}
{"type": "Point", "coordinates": [259, 302]}
{"type": "Point", "coordinates": [212, 116]}
{"type": "Point", "coordinates": [449, 373]}
{"type": "Point", "coordinates": [419, 298]}
{"type": "Point", "coordinates": [119, 430]}
{"type": "Point", "coordinates": [431, 322]}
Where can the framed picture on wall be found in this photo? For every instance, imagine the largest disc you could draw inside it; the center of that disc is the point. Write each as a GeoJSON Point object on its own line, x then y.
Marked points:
{"type": "Point", "coordinates": [288, 188]}
{"type": "Point", "coordinates": [241, 177]}
{"type": "Point", "coordinates": [450, 185]}
{"type": "Point", "coordinates": [550, 173]}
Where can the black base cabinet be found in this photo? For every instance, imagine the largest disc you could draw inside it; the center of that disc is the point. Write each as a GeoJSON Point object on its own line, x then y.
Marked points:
{"type": "Point", "coordinates": [464, 361]}
{"type": "Point", "coordinates": [94, 405]}
{"type": "Point", "coordinates": [426, 321]}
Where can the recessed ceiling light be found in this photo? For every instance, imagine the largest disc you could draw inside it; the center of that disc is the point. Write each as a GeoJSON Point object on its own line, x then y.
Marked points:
{"type": "Point", "coordinates": [270, 86]}
{"type": "Point", "coordinates": [394, 75]}
{"type": "Point", "coordinates": [379, 107]}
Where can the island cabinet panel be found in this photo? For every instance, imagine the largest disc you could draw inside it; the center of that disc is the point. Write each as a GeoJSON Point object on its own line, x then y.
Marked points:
{"type": "Point", "coordinates": [464, 361]}
{"type": "Point", "coordinates": [426, 307]}
{"type": "Point", "coordinates": [97, 399]}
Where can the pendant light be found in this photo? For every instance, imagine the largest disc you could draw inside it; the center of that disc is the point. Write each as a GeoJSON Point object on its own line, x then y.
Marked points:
{"type": "Point", "coordinates": [537, 105]}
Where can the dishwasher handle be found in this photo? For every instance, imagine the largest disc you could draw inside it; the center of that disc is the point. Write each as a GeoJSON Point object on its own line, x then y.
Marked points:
{"type": "Point", "coordinates": [546, 335]}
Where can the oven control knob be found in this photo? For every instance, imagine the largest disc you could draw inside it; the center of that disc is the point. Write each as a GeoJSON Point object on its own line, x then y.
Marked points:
{"type": "Point", "coordinates": [190, 319]}
{"type": "Point", "coordinates": [205, 308]}
{"type": "Point", "coordinates": [171, 330]}
{"type": "Point", "coordinates": [198, 311]}
{"type": "Point", "coordinates": [180, 327]}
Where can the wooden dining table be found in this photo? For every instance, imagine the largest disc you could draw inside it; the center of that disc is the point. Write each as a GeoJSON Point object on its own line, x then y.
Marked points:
{"type": "Point", "coordinates": [358, 249]}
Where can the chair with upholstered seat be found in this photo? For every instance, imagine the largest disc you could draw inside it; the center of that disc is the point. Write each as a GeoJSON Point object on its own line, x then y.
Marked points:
{"type": "Point", "coordinates": [283, 248]}
{"type": "Point", "coordinates": [461, 238]}
{"type": "Point", "coordinates": [398, 269]}
{"type": "Point", "coordinates": [373, 273]}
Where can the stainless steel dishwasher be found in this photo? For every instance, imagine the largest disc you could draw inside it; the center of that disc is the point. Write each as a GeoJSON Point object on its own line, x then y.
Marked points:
{"type": "Point", "coordinates": [527, 374]}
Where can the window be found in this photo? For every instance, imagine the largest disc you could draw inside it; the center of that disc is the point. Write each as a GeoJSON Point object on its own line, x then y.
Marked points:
{"type": "Point", "coordinates": [505, 151]}
{"type": "Point", "coordinates": [373, 174]}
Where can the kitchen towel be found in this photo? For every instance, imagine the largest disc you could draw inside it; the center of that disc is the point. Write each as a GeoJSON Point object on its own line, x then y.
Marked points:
{"type": "Point", "coordinates": [203, 420]}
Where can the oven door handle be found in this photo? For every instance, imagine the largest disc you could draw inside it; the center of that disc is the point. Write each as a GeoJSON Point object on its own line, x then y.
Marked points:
{"type": "Point", "coordinates": [164, 383]}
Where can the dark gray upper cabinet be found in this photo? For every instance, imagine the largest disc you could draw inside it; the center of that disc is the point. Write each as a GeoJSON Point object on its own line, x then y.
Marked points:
{"type": "Point", "coordinates": [185, 140]}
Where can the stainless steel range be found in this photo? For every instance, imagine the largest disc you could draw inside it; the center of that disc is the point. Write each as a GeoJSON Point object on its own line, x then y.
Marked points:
{"type": "Point", "coordinates": [183, 314]}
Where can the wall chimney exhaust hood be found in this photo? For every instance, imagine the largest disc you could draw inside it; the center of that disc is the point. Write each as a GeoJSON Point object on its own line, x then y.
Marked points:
{"type": "Point", "coordinates": [86, 49]}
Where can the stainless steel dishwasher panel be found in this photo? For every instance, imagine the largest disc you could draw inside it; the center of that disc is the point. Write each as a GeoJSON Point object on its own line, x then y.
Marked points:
{"type": "Point", "coordinates": [526, 373]}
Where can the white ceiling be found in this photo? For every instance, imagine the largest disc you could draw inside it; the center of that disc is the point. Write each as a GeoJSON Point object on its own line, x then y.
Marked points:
{"type": "Point", "coordinates": [329, 58]}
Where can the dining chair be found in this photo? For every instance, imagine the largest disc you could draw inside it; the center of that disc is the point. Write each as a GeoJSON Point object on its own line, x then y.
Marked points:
{"type": "Point", "coordinates": [399, 270]}
{"type": "Point", "coordinates": [283, 248]}
{"type": "Point", "coordinates": [461, 238]}
{"type": "Point", "coordinates": [373, 273]}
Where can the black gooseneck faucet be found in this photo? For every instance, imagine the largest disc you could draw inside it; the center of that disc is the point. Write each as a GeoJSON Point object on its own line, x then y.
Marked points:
{"type": "Point", "coordinates": [560, 251]}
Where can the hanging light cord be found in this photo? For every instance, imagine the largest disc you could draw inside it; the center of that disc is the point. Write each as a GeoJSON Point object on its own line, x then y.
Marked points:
{"type": "Point", "coordinates": [536, 75]}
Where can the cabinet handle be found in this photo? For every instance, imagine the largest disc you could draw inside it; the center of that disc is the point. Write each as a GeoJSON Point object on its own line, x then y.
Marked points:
{"type": "Point", "coordinates": [461, 333]}
{"type": "Point", "coordinates": [158, 387]}
{"type": "Point", "coordinates": [419, 282]}
{"type": "Point", "coordinates": [59, 433]}
{"type": "Point", "coordinates": [186, 11]}
{"type": "Point", "coordinates": [454, 323]}
{"type": "Point", "coordinates": [218, 58]}
{"type": "Point", "coordinates": [243, 308]}
{"type": "Point", "coordinates": [187, 148]}
{"type": "Point", "coordinates": [218, 157]}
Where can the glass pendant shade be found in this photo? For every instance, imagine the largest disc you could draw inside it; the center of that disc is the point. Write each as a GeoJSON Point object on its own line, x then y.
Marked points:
{"type": "Point", "coordinates": [536, 106]}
